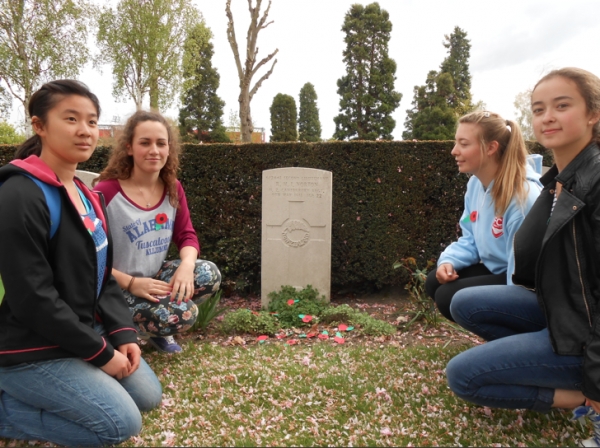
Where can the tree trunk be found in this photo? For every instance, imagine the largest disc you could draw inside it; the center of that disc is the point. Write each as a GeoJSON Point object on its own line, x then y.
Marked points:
{"type": "Point", "coordinates": [250, 67]}
{"type": "Point", "coordinates": [246, 127]}
{"type": "Point", "coordinates": [154, 94]}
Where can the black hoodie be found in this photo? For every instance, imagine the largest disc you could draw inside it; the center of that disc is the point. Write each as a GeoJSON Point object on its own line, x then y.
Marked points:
{"type": "Point", "coordinates": [50, 303]}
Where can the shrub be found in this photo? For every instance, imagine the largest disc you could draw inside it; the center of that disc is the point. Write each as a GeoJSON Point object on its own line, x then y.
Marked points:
{"type": "Point", "coordinates": [289, 304]}
{"type": "Point", "coordinates": [207, 311]}
{"type": "Point", "coordinates": [425, 307]}
{"type": "Point", "coordinates": [245, 321]}
{"type": "Point", "coordinates": [391, 200]}
{"type": "Point", "coordinates": [369, 326]}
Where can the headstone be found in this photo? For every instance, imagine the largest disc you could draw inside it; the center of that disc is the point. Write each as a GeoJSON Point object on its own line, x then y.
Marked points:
{"type": "Point", "coordinates": [296, 230]}
{"type": "Point", "coordinates": [86, 176]}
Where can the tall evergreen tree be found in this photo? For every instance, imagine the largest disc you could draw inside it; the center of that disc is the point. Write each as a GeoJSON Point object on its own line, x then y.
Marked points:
{"type": "Point", "coordinates": [435, 119]}
{"type": "Point", "coordinates": [445, 96]}
{"type": "Point", "coordinates": [367, 91]}
{"type": "Point", "coordinates": [202, 109]}
{"type": "Point", "coordinates": [283, 119]}
{"type": "Point", "coordinates": [456, 65]}
{"type": "Point", "coordinates": [309, 126]}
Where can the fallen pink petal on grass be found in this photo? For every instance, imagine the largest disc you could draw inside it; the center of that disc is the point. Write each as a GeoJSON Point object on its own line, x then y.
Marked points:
{"type": "Point", "coordinates": [339, 340]}
{"type": "Point", "coordinates": [323, 336]}
{"type": "Point", "coordinates": [386, 432]}
{"type": "Point", "coordinates": [342, 327]}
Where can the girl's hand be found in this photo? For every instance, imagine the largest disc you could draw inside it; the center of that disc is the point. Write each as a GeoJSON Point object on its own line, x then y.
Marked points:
{"type": "Point", "coordinates": [133, 353]}
{"type": "Point", "coordinates": [118, 367]}
{"type": "Point", "coordinates": [446, 273]}
{"type": "Point", "coordinates": [594, 404]}
{"type": "Point", "coordinates": [147, 288]}
{"type": "Point", "coordinates": [182, 281]}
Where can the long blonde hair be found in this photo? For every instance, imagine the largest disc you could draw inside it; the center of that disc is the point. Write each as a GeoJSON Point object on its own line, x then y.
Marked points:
{"type": "Point", "coordinates": [512, 156]}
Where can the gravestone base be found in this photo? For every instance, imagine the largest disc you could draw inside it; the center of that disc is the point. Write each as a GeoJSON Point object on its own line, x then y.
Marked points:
{"type": "Point", "coordinates": [296, 230]}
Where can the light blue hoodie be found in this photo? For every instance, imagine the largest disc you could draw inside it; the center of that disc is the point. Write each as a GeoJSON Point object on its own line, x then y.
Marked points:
{"type": "Point", "coordinates": [488, 238]}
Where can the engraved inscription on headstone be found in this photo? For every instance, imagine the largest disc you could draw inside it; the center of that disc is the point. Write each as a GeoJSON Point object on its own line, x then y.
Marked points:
{"type": "Point", "coordinates": [296, 230]}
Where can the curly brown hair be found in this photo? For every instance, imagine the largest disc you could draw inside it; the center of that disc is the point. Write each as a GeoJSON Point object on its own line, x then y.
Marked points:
{"type": "Point", "coordinates": [120, 164]}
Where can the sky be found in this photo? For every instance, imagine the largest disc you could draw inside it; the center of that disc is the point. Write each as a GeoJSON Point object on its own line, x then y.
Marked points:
{"type": "Point", "coordinates": [513, 44]}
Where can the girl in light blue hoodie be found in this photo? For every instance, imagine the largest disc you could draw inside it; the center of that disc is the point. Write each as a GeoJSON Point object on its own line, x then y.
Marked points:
{"type": "Point", "coordinates": [503, 187]}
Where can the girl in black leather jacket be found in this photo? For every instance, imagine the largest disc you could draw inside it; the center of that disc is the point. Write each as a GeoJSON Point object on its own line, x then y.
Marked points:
{"type": "Point", "coordinates": [544, 344]}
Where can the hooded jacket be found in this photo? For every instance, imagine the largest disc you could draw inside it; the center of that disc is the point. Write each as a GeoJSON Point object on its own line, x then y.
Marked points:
{"type": "Point", "coordinates": [488, 238]}
{"type": "Point", "coordinates": [51, 302]}
{"type": "Point", "coordinates": [558, 256]}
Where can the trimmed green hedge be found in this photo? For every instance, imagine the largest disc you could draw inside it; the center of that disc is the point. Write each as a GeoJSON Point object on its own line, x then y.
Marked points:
{"type": "Point", "coordinates": [390, 200]}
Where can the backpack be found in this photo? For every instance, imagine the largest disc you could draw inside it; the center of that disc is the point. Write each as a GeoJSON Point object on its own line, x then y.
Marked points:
{"type": "Point", "coordinates": [52, 196]}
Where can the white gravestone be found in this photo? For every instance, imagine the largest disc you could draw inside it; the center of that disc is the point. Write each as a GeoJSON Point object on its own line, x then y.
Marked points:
{"type": "Point", "coordinates": [296, 230]}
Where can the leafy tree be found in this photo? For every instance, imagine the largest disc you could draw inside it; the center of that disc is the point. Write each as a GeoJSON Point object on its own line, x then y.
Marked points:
{"type": "Point", "coordinates": [283, 119]}
{"type": "Point", "coordinates": [367, 90]}
{"type": "Point", "coordinates": [309, 126]}
{"type": "Point", "coordinates": [445, 96]}
{"type": "Point", "coordinates": [456, 65]}
{"type": "Point", "coordinates": [41, 40]}
{"type": "Point", "coordinates": [202, 109]}
{"type": "Point", "coordinates": [143, 40]}
{"type": "Point", "coordinates": [251, 66]}
{"type": "Point", "coordinates": [524, 114]}
{"type": "Point", "coordinates": [9, 135]}
{"type": "Point", "coordinates": [5, 103]}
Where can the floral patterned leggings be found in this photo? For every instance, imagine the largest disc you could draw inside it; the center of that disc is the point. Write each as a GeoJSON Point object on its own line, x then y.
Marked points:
{"type": "Point", "coordinates": [166, 318]}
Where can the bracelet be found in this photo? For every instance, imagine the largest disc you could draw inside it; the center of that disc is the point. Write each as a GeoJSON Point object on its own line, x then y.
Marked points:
{"type": "Point", "coordinates": [130, 283]}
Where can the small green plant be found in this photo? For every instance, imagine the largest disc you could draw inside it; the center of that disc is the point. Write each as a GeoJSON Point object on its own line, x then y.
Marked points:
{"type": "Point", "coordinates": [245, 321]}
{"type": "Point", "coordinates": [425, 307]}
{"type": "Point", "coordinates": [289, 304]}
{"type": "Point", "coordinates": [207, 311]}
{"type": "Point", "coordinates": [369, 326]}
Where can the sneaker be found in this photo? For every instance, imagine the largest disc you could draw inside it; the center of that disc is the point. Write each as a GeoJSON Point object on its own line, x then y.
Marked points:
{"type": "Point", "coordinates": [580, 413]}
{"type": "Point", "coordinates": [166, 344]}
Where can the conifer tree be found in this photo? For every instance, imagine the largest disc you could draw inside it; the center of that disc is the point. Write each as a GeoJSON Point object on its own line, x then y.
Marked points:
{"type": "Point", "coordinates": [309, 126]}
{"type": "Point", "coordinates": [445, 96]}
{"type": "Point", "coordinates": [202, 109]}
{"type": "Point", "coordinates": [367, 90]}
{"type": "Point", "coordinates": [283, 119]}
{"type": "Point", "coordinates": [456, 65]}
{"type": "Point", "coordinates": [436, 120]}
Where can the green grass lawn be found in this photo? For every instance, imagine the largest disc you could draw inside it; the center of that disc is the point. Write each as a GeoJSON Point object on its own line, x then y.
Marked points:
{"type": "Point", "coordinates": [356, 394]}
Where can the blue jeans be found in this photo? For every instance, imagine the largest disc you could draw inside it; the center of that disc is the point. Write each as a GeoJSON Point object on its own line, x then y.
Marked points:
{"type": "Point", "coordinates": [71, 402]}
{"type": "Point", "coordinates": [518, 368]}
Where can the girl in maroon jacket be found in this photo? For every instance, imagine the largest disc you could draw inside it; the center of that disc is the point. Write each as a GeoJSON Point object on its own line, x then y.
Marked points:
{"type": "Point", "coordinates": [147, 209]}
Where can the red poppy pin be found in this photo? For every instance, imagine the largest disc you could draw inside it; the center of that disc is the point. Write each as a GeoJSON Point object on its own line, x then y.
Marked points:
{"type": "Point", "coordinates": [473, 216]}
{"type": "Point", "coordinates": [89, 224]}
{"type": "Point", "coordinates": [160, 219]}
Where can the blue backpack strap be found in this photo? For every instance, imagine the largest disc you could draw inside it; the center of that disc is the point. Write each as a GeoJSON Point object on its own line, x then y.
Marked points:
{"type": "Point", "coordinates": [52, 200]}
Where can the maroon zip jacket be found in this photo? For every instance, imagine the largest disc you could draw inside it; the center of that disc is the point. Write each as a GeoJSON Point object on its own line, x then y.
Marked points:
{"type": "Point", "coordinates": [50, 303]}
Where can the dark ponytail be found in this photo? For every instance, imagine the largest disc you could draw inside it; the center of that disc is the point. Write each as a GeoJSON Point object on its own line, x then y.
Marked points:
{"type": "Point", "coordinates": [43, 101]}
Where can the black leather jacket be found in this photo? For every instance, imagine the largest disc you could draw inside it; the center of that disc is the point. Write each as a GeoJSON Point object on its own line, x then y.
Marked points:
{"type": "Point", "coordinates": [558, 256]}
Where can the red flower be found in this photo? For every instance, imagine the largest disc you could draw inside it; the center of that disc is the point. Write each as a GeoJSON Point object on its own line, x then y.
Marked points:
{"type": "Point", "coordinates": [89, 224]}
{"type": "Point", "coordinates": [307, 318]}
{"type": "Point", "coordinates": [473, 216]}
{"type": "Point", "coordinates": [291, 302]}
{"type": "Point", "coordinates": [323, 336]}
{"type": "Point", "coordinates": [161, 218]}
